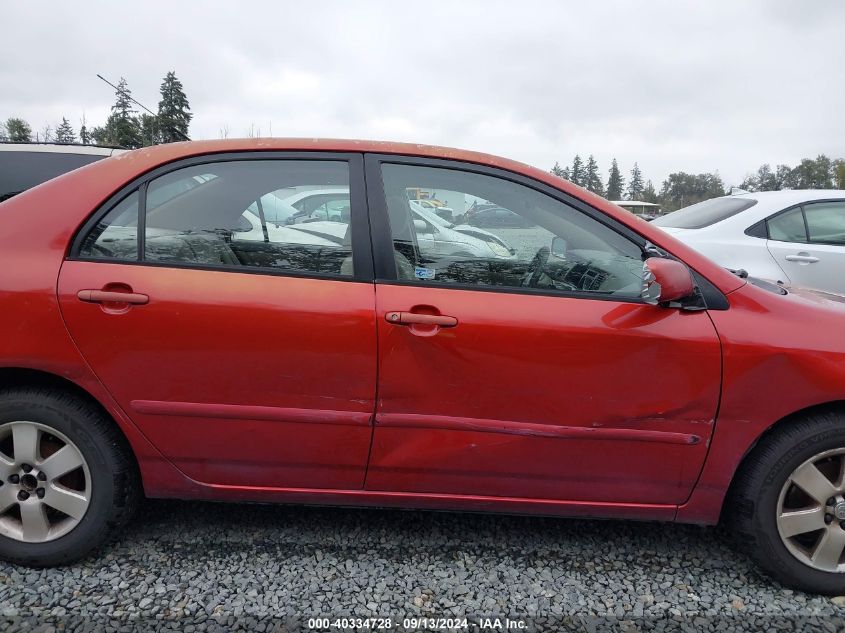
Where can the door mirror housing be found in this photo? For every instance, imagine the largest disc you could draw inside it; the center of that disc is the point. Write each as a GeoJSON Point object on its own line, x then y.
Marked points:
{"type": "Point", "coordinates": [559, 246]}
{"type": "Point", "coordinates": [421, 226]}
{"type": "Point", "coordinates": [665, 280]}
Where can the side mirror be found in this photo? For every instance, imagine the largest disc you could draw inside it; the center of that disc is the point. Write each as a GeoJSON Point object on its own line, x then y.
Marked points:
{"type": "Point", "coordinates": [559, 246]}
{"type": "Point", "coordinates": [420, 226]}
{"type": "Point", "coordinates": [665, 280]}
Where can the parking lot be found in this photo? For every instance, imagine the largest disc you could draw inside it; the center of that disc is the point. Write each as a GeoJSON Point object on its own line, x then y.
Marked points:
{"type": "Point", "coordinates": [272, 568]}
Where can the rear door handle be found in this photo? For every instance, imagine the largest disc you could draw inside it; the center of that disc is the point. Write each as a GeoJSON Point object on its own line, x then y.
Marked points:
{"type": "Point", "coordinates": [110, 296]}
{"type": "Point", "coordinates": [412, 318]}
{"type": "Point", "coordinates": [805, 258]}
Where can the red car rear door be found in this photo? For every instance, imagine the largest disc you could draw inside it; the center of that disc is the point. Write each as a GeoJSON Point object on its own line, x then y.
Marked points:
{"type": "Point", "coordinates": [243, 349]}
{"type": "Point", "coordinates": [535, 371]}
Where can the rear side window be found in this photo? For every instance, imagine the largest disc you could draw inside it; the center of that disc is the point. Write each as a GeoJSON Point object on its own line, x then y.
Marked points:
{"type": "Point", "coordinates": [116, 234]}
{"type": "Point", "coordinates": [705, 213]}
{"type": "Point", "coordinates": [236, 214]}
{"type": "Point", "coordinates": [788, 226]}
{"type": "Point", "coordinates": [20, 171]}
{"type": "Point", "coordinates": [816, 223]}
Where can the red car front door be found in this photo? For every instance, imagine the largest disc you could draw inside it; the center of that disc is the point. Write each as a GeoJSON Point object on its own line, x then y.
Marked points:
{"type": "Point", "coordinates": [246, 355]}
{"type": "Point", "coordinates": [537, 373]}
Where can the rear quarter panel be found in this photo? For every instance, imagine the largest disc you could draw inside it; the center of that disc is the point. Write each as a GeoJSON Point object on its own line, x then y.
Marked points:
{"type": "Point", "coordinates": [35, 228]}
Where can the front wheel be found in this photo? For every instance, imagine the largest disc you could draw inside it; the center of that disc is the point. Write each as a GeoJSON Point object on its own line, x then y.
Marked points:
{"type": "Point", "coordinates": [787, 506]}
{"type": "Point", "coordinates": [66, 477]}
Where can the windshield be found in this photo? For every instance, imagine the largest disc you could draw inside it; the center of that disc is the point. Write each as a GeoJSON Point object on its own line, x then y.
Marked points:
{"type": "Point", "coordinates": [705, 213]}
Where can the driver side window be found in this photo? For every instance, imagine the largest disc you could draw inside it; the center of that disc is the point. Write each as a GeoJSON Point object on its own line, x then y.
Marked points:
{"type": "Point", "coordinates": [502, 234]}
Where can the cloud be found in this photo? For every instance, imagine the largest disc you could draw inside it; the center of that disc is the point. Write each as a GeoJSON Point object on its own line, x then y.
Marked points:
{"type": "Point", "coordinates": [674, 85]}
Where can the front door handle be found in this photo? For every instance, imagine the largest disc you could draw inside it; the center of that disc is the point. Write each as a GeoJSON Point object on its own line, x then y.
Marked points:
{"type": "Point", "coordinates": [111, 296]}
{"type": "Point", "coordinates": [413, 318]}
{"type": "Point", "coordinates": [804, 258]}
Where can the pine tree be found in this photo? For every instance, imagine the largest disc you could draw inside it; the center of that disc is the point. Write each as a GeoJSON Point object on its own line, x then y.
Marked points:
{"type": "Point", "coordinates": [557, 170]}
{"type": "Point", "coordinates": [64, 133]}
{"type": "Point", "coordinates": [99, 136]}
{"type": "Point", "coordinates": [174, 112]}
{"type": "Point", "coordinates": [649, 194]}
{"type": "Point", "coordinates": [839, 173]}
{"type": "Point", "coordinates": [18, 130]}
{"type": "Point", "coordinates": [84, 134]}
{"type": "Point", "coordinates": [635, 185]}
{"type": "Point", "coordinates": [615, 182]}
{"type": "Point", "coordinates": [150, 130]}
{"type": "Point", "coordinates": [592, 178]}
{"type": "Point", "coordinates": [576, 174]}
{"type": "Point", "coordinates": [122, 127]}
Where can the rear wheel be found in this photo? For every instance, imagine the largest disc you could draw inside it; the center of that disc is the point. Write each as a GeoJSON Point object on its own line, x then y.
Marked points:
{"type": "Point", "coordinates": [66, 477]}
{"type": "Point", "coordinates": [787, 506]}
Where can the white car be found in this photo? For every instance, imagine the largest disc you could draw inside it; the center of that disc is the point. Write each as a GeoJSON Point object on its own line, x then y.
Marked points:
{"type": "Point", "coordinates": [797, 237]}
{"type": "Point", "coordinates": [442, 211]}
{"type": "Point", "coordinates": [447, 238]}
{"type": "Point", "coordinates": [319, 203]}
{"type": "Point", "coordinates": [292, 206]}
{"type": "Point", "coordinates": [325, 211]}
{"type": "Point", "coordinates": [251, 229]}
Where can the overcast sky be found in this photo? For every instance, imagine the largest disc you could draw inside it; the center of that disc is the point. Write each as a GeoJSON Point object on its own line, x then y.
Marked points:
{"type": "Point", "coordinates": [675, 85]}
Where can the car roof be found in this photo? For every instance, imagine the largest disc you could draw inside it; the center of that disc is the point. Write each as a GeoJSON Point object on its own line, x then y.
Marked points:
{"type": "Point", "coordinates": [94, 183]}
{"type": "Point", "coordinates": [770, 202]}
{"type": "Point", "coordinates": [791, 196]}
{"type": "Point", "coordinates": [307, 193]}
{"type": "Point", "coordinates": [61, 148]}
{"type": "Point", "coordinates": [634, 203]}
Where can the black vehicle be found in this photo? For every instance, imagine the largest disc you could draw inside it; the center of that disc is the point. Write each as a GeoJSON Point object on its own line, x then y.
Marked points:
{"type": "Point", "coordinates": [24, 165]}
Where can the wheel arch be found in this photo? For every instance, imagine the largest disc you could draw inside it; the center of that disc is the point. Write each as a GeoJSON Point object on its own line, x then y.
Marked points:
{"type": "Point", "coordinates": [24, 377]}
{"type": "Point", "coordinates": [834, 406]}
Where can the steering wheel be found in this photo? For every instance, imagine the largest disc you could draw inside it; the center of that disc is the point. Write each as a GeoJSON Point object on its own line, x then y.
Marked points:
{"type": "Point", "coordinates": [537, 267]}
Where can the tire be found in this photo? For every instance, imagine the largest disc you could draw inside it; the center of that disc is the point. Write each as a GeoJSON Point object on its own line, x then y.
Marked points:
{"type": "Point", "coordinates": [99, 495]}
{"type": "Point", "coordinates": [764, 497]}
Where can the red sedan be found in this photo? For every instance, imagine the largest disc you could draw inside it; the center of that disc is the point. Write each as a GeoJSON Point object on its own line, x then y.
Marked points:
{"type": "Point", "coordinates": [276, 320]}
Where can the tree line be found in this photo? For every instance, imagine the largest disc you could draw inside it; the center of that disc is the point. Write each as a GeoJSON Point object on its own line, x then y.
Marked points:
{"type": "Point", "coordinates": [125, 126]}
{"type": "Point", "coordinates": [681, 189]}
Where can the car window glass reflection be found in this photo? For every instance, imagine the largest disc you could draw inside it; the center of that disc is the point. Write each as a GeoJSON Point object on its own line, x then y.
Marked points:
{"type": "Point", "coordinates": [457, 227]}
{"type": "Point", "coordinates": [826, 222]}
{"type": "Point", "coordinates": [290, 216]}
{"type": "Point", "coordinates": [116, 234]}
{"type": "Point", "coordinates": [788, 227]}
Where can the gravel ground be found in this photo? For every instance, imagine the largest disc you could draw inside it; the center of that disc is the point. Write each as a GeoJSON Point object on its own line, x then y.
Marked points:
{"type": "Point", "coordinates": [184, 564]}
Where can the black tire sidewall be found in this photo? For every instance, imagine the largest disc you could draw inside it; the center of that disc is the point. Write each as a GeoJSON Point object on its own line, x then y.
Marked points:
{"type": "Point", "coordinates": [99, 459]}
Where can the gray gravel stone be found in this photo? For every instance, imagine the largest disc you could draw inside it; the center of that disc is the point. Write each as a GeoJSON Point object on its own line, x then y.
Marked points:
{"type": "Point", "coordinates": [182, 565]}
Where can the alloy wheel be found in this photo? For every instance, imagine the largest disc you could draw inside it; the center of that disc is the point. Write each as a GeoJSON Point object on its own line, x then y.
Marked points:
{"type": "Point", "coordinates": [811, 512]}
{"type": "Point", "coordinates": [45, 484]}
